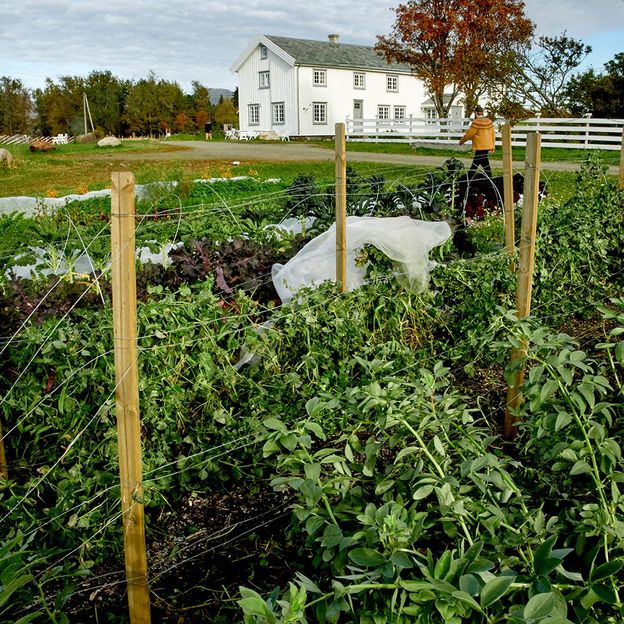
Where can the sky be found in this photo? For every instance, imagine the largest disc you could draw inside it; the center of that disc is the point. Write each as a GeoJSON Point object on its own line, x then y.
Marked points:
{"type": "Point", "coordinates": [198, 40]}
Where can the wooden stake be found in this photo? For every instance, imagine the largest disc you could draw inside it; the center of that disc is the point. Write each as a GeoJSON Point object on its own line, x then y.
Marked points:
{"type": "Point", "coordinates": [622, 162]}
{"type": "Point", "coordinates": [127, 394]}
{"type": "Point", "coordinates": [510, 240]}
{"type": "Point", "coordinates": [525, 271]}
{"type": "Point", "coordinates": [341, 207]}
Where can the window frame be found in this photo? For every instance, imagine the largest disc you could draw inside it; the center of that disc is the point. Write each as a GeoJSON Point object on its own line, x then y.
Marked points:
{"type": "Point", "coordinates": [359, 75]}
{"type": "Point", "coordinates": [266, 83]}
{"type": "Point", "coordinates": [397, 108]}
{"type": "Point", "coordinates": [431, 115]}
{"type": "Point", "coordinates": [264, 51]}
{"type": "Point", "coordinates": [250, 114]}
{"type": "Point", "coordinates": [386, 109]}
{"type": "Point", "coordinates": [275, 108]}
{"type": "Point", "coordinates": [319, 73]}
{"type": "Point", "coordinates": [392, 83]}
{"type": "Point", "coordinates": [321, 106]}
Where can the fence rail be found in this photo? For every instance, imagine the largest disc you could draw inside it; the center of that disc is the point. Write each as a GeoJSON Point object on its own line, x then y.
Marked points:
{"type": "Point", "coordinates": [583, 133]}
{"type": "Point", "coordinates": [26, 139]}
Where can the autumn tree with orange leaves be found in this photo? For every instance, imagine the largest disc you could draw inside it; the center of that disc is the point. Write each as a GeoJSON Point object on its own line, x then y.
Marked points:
{"type": "Point", "coordinates": [457, 46]}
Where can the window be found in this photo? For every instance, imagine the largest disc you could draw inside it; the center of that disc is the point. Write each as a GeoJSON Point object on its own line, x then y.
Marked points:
{"type": "Point", "coordinates": [383, 112]}
{"type": "Point", "coordinates": [254, 114]}
{"type": "Point", "coordinates": [358, 81]}
{"type": "Point", "coordinates": [399, 112]}
{"type": "Point", "coordinates": [319, 78]}
{"type": "Point", "coordinates": [278, 112]}
{"type": "Point", "coordinates": [264, 80]}
{"type": "Point", "coordinates": [431, 115]}
{"type": "Point", "coordinates": [263, 52]}
{"type": "Point", "coordinates": [319, 112]}
{"type": "Point", "coordinates": [392, 83]}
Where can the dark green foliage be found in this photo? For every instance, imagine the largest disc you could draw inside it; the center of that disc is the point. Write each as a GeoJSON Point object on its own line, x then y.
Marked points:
{"type": "Point", "coordinates": [580, 250]}
{"type": "Point", "coordinates": [375, 413]}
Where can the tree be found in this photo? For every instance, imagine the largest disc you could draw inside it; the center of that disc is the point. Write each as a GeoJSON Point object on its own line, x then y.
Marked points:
{"type": "Point", "coordinates": [542, 73]}
{"type": "Point", "coordinates": [201, 105]}
{"type": "Point", "coordinates": [152, 105]}
{"type": "Point", "coordinates": [60, 106]}
{"type": "Point", "coordinates": [182, 123]}
{"type": "Point", "coordinates": [15, 106]}
{"type": "Point", "coordinates": [225, 113]}
{"type": "Point", "coordinates": [107, 98]}
{"type": "Point", "coordinates": [456, 46]}
{"type": "Point", "coordinates": [601, 95]}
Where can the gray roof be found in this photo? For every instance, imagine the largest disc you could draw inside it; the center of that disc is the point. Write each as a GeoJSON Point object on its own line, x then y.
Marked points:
{"type": "Point", "coordinates": [329, 54]}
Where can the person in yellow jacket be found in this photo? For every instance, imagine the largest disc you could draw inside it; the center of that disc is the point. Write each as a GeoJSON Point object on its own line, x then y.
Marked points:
{"type": "Point", "coordinates": [481, 133]}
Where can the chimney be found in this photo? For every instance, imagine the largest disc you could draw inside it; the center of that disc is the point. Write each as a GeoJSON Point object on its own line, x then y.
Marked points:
{"type": "Point", "coordinates": [333, 38]}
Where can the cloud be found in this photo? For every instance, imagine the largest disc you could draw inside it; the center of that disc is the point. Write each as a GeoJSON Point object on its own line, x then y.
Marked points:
{"type": "Point", "coordinates": [199, 40]}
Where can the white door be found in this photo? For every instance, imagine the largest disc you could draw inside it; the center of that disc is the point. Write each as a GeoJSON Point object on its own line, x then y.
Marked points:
{"type": "Point", "coordinates": [358, 110]}
{"type": "Point", "coordinates": [456, 114]}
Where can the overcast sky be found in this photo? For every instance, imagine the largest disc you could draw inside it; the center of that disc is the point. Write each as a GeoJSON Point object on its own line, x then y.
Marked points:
{"type": "Point", "coordinates": [186, 40]}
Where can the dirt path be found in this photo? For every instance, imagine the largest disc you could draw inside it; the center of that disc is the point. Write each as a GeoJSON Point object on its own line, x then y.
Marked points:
{"type": "Point", "coordinates": [296, 151]}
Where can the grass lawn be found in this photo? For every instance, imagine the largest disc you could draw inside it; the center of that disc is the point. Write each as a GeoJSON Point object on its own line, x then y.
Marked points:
{"type": "Point", "coordinates": [76, 169]}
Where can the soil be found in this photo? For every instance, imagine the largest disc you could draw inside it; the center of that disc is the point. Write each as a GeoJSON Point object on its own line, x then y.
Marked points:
{"type": "Point", "coordinates": [201, 551]}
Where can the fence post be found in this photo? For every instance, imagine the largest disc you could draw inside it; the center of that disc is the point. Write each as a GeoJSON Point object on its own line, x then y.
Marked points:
{"type": "Point", "coordinates": [508, 194]}
{"type": "Point", "coordinates": [341, 208]}
{"type": "Point", "coordinates": [622, 162]}
{"type": "Point", "coordinates": [525, 272]}
{"type": "Point", "coordinates": [127, 393]}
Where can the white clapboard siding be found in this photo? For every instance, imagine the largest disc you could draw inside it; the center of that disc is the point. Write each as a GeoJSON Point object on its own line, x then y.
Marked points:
{"type": "Point", "coordinates": [581, 133]}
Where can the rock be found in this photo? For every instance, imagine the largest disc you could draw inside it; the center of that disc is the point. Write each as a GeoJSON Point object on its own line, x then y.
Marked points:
{"type": "Point", "coordinates": [86, 138]}
{"type": "Point", "coordinates": [269, 135]}
{"type": "Point", "coordinates": [6, 158]}
{"type": "Point", "coordinates": [109, 141]}
{"type": "Point", "coordinates": [41, 146]}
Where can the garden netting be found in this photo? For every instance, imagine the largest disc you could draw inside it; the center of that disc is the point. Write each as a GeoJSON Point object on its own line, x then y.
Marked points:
{"type": "Point", "coordinates": [406, 241]}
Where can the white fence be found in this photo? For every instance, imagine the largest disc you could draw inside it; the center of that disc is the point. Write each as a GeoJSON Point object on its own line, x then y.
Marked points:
{"type": "Point", "coordinates": [25, 139]}
{"type": "Point", "coordinates": [583, 133]}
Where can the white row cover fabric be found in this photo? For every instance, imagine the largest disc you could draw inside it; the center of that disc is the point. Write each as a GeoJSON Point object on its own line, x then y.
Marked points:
{"type": "Point", "coordinates": [404, 240]}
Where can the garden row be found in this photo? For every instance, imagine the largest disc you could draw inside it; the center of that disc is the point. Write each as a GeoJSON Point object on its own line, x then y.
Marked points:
{"type": "Point", "coordinates": [353, 469]}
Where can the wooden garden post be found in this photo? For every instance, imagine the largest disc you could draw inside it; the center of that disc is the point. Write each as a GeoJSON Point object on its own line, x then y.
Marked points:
{"type": "Point", "coordinates": [525, 271]}
{"type": "Point", "coordinates": [622, 162]}
{"type": "Point", "coordinates": [341, 207]}
{"type": "Point", "coordinates": [127, 393]}
{"type": "Point", "coordinates": [508, 194]}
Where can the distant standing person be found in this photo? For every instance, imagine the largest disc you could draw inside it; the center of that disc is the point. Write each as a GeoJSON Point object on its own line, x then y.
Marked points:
{"type": "Point", "coordinates": [208, 131]}
{"type": "Point", "coordinates": [481, 133]}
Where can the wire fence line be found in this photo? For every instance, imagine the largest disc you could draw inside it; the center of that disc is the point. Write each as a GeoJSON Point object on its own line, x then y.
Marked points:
{"type": "Point", "coordinates": [86, 290]}
{"type": "Point", "coordinates": [155, 474]}
{"type": "Point", "coordinates": [264, 279]}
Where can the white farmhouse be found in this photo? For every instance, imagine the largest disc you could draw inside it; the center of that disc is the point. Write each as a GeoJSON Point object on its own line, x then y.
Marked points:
{"type": "Point", "coordinates": [299, 87]}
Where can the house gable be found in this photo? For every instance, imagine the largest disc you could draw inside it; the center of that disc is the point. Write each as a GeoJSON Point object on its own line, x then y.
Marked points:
{"type": "Point", "coordinates": [265, 41]}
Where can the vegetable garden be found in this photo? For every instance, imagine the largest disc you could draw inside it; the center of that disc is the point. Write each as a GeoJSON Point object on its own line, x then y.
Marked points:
{"type": "Point", "coordinates": [338, 458]}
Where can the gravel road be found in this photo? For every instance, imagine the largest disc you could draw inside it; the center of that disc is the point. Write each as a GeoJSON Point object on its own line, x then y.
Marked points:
{"type": "Point", "coordinates": [249, 151]}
